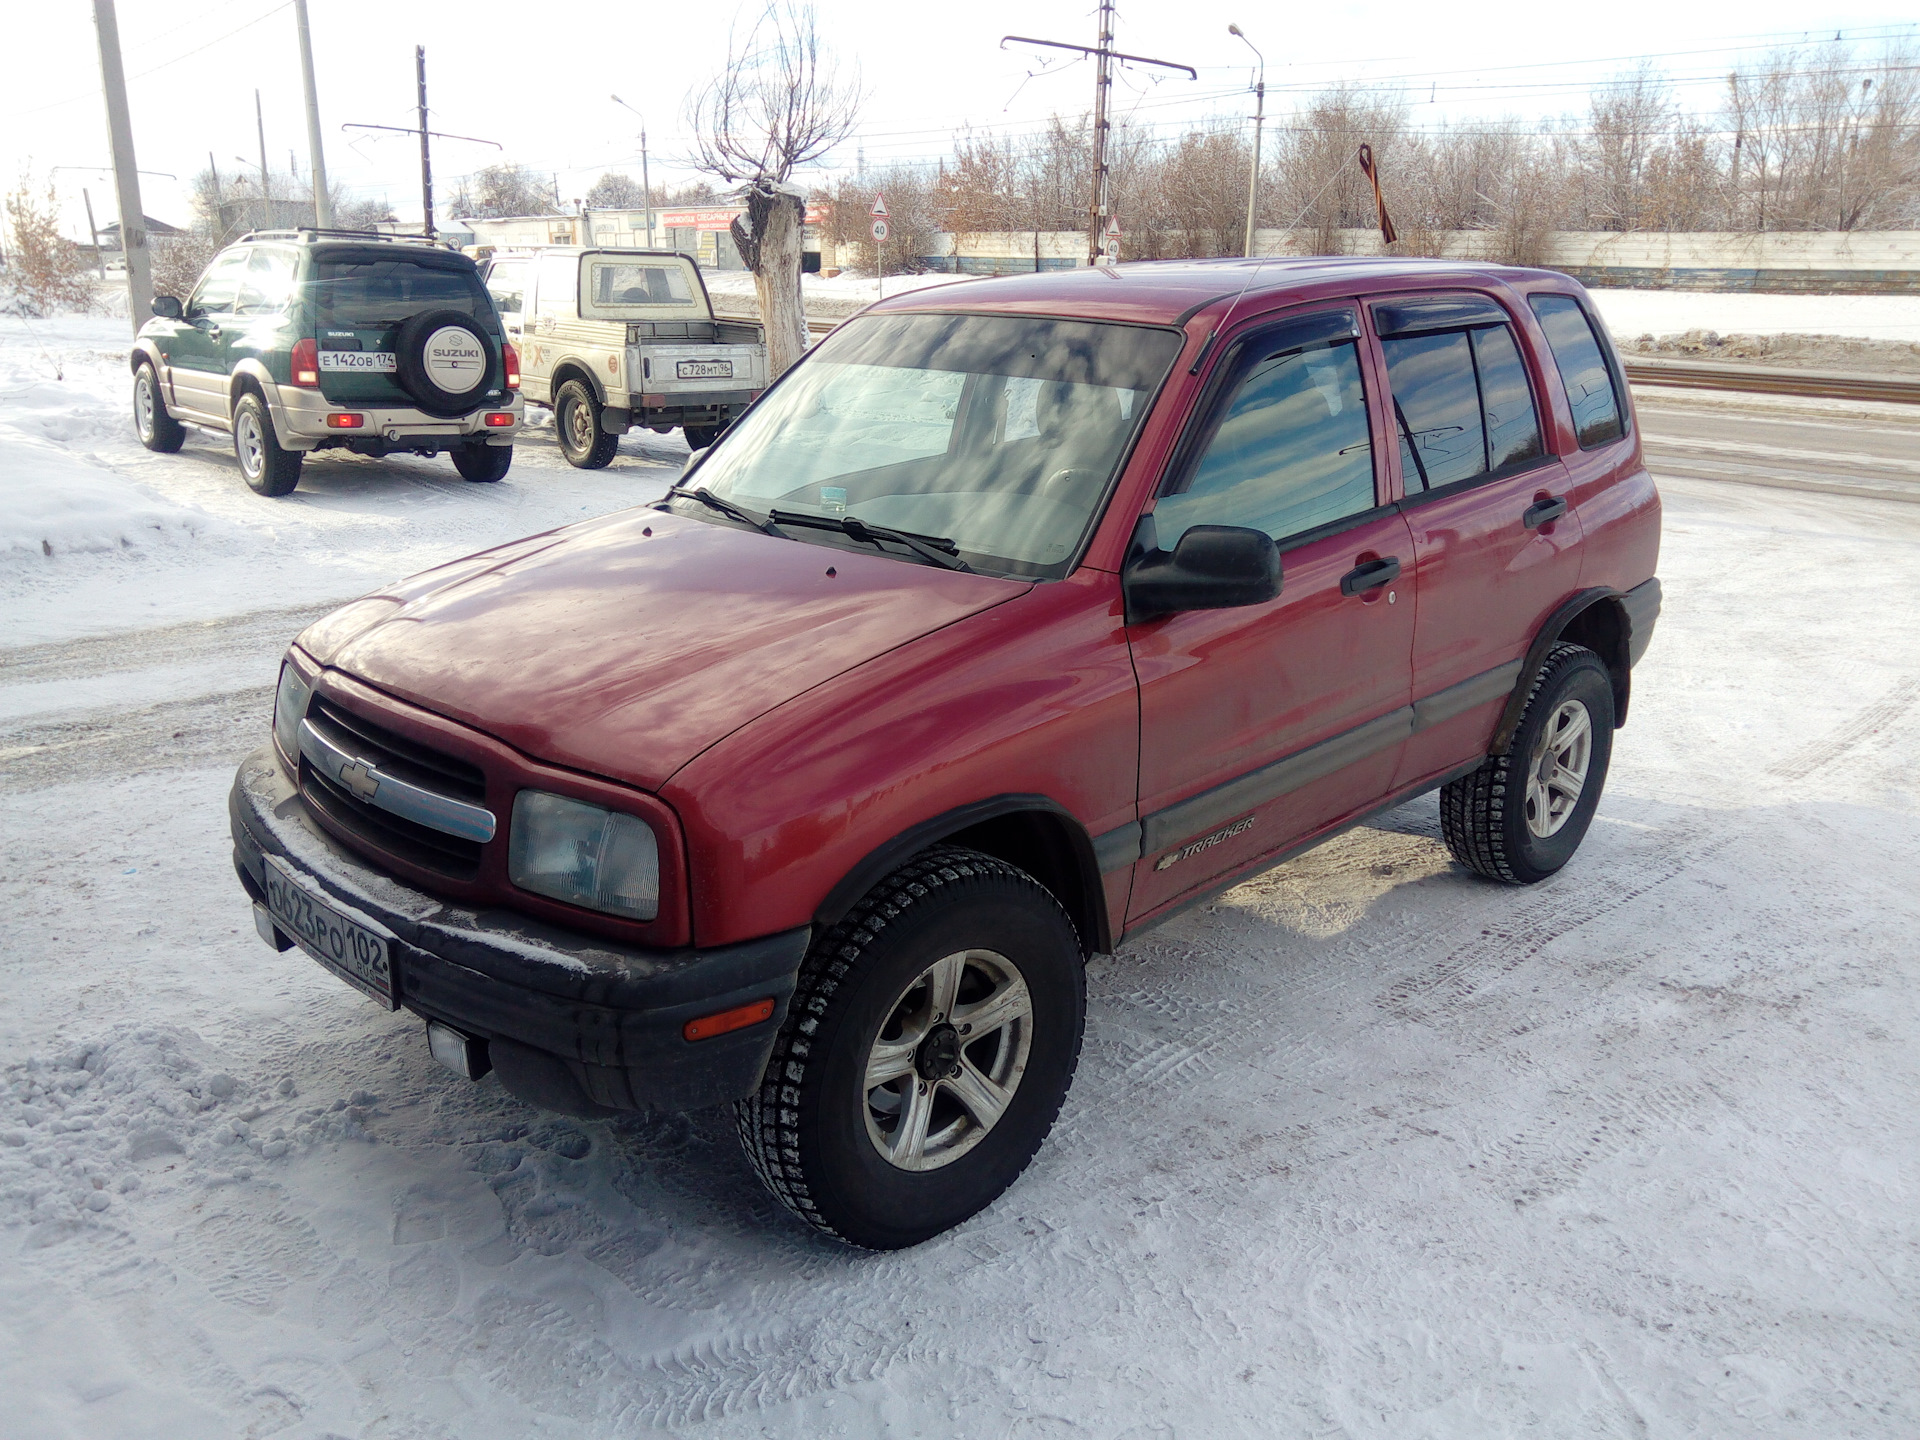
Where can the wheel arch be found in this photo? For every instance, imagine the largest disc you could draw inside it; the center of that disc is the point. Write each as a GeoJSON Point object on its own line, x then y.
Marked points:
{"type": "Point", "coordinates": [1596, 618]}
{"type": "Point", "coordinates": [145, 352]}
{"type": "Point", "coordinates": [571, 369]}
{"type": "Point", "coordinates": [1037, 834]}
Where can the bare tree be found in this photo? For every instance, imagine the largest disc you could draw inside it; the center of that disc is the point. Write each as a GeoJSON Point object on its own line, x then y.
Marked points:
{"type": "Point", "coordinates": [46, 272]}
{"type": "Point", "coordinates": [506, 189]}
{"type": "Point", "coordinates": [614, 191]}
{"type": "Point", "coordinates": [780, 103]}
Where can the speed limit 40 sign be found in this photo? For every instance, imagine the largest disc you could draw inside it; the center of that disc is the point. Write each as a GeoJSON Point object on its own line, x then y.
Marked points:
{"type": "Point", "coordinates": [879, 229]}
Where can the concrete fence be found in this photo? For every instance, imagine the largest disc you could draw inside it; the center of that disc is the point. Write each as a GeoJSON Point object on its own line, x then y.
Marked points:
{"type": "Point", "coordinates": [1862, 262]}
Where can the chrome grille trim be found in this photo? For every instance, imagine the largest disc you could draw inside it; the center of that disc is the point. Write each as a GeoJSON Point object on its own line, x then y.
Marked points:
{"type": "Point", "coordinates": [364, 780]}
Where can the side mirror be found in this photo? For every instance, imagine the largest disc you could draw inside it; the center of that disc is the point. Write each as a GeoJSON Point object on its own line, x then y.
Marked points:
{"type": "Point", "coordinates": [1213, 567]}
{"type": "Point", "coordinates": [167, 307]}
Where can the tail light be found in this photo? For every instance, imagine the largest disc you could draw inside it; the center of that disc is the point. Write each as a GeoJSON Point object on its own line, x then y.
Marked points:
{"type": "Point", "coordinates": [499, 419]}
{"type": "Point", "coordinates": [306, 364]}
{"type": "Point", "coordinates": [348, 421]}
{"type": "Point", "coordinates": [512, 358]}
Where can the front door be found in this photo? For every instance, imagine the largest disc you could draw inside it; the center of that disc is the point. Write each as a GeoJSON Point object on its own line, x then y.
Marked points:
{"type": "Point", "coordinates": [1262, 725]}
{"type": "Point", "coordinates": [1477, 478]}
{"type": "Point", "coordinates": [197, 356]}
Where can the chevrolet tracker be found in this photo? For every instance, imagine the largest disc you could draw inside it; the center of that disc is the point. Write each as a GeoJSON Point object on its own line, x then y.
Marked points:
{"type": "Point", "coordinates": [1018, 616]}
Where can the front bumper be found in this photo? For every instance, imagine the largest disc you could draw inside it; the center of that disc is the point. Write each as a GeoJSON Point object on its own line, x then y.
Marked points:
{"type": "Point", "coordinates": [573, 1022]}
{"type": "Point", "coordinates": [300, 418]}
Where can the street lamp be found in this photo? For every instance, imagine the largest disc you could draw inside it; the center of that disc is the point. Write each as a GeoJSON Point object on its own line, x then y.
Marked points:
{"type": "Point", "coordinates": [1259, 118]}
{"type": "Point", "coordinates": [646, 186]}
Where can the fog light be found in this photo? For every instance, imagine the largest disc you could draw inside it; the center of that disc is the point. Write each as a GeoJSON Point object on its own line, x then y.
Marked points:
{"type": "Point", "coordinates": [738, 1018]}
{"type": "Point", "coordinates": [345, 422]}
{"type": "Point", "coordinates": [499, 419]}
{"type": "Point", "coordinates": [463, 1054]}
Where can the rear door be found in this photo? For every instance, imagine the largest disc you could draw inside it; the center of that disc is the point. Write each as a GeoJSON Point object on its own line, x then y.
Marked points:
{"type": "Point", "coordinates": [1478, 480]}
{"type": "Point", "coordinates": [1261, 725]}
{"type": "Point", "coordinates": [362, 297]}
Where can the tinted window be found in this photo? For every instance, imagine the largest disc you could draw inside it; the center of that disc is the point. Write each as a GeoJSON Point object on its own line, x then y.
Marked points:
{"type": "Point", "coordinates": [1583, 369]}
{"type": "Point", "coordinates": [1436, 405]}
{"type": "Point", "coordinates": [218, 287]}
{"type": "Point", "coordinates": [1291, 450]}
{"type": "Point", "coordinates": [353, 293]}
{"type": "Point", "coordinates": [1513, 429]}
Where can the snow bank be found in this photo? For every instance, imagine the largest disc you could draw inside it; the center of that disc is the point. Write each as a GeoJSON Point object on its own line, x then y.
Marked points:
{"type": "Point", "coordinates": [51, 506]}
{"type": "Point", "coordinates": [1631, 313]}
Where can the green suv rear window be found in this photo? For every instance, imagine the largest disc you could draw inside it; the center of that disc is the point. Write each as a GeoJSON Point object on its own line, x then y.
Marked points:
{"type": "Point", "coordinates": [352, 294]}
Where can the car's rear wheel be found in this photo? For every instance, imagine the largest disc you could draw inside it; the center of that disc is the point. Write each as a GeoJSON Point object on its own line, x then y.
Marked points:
{"type": "Point", "coordinates": [699, 437]}
{"type": "Point", "coordinates": [481, 463]}
{"type": "Point", "coordinates": [927, 1050]}
{"type": "Point", "coordinates": [1520, 816]}
{"type": "Point", "coordinates": [158, 430]}
{"type": "Point", "coordinates": [576, 418]}
{"type": "Point", "coordinates": [267, 467]}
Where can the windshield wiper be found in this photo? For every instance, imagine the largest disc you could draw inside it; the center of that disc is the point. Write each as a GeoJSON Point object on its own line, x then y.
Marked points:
{"type": "Point", "coordinates": [727, 508]}
{"type": "Point", "coordinates": [935, 549]}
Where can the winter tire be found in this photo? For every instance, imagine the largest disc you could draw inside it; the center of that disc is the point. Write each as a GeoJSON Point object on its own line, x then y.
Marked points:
{"type": "Point", "coordinates": [576, 416]}
{"type": "Point", "coordinates": [482, 464]}
{"type": "Point", "coordinates": [446, 362]}
{"type": "Point", "coordinates": [264, 465]}
{"type": "Point", "coordinates": [158, 430]}
{"type": "Point", "coordinates": [1521, 815]}
{"type": "Point", "coordinates": [928, 1047]}
{"type": "Point", "coordinates": [699, 437]}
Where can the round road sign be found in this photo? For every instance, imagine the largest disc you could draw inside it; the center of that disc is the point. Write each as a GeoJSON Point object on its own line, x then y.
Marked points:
{"type": "Point", "coordinates": [879, 229]}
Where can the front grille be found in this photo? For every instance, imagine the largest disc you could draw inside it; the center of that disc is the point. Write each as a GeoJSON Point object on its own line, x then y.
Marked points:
{"type": "Point", "coordinates": [404, 759]}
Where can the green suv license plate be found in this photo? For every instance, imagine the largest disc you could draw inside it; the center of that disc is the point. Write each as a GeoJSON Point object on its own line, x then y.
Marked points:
{"type": "Point", "coordinates": [364, 361]}
{"type": "Point", "coordinates": [350, 950]}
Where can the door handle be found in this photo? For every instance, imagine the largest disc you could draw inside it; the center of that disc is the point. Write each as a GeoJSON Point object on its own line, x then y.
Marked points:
{"type": "Point", "coordinates": [213, 332]}
{"type": "Point", "coordinates": [1370, 576]}
{"type": "Point", "coordinates": [1544, 512]}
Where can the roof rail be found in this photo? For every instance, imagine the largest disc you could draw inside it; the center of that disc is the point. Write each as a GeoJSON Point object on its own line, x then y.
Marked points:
{"type": "Point", "coordinates": [308, 231]}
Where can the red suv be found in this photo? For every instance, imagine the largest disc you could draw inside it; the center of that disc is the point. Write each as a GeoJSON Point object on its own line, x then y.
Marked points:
{"type": "Point", "coordinates": [1021, 615]}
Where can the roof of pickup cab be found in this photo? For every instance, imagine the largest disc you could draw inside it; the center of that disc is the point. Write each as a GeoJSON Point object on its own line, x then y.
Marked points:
{"type": "Point", "coordinates": [1168, 292]}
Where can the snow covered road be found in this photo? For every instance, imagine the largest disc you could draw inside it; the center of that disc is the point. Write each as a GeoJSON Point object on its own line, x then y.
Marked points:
{"type": "Point", "coordinates": [1366, 1147]}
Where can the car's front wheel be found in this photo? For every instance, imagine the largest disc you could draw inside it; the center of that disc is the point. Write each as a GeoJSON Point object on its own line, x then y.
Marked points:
{"type": "Point", "coordinates": [699, 437]}
{"type": "Point", "coordinates": [576, 417]}
{"type": "Point", "coordinates": [266, 466]}
{"type": "Point", "coordinates": [482, 463]}
{"type": "Point", "coordinates": [927, 1050]}
{"type": "Point", "coordinates": [158, 430]}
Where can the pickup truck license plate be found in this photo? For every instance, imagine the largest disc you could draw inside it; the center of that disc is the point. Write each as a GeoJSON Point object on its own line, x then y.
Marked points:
{"type": "Point", "coordinates": [351, 951]}
{"type": "Point", "coordinates": [365, 361]}
{"type": "Point", "coordinates": [703, 369]}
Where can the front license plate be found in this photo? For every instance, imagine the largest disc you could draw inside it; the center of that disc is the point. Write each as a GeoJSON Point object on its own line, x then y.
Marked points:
{"type": "Point", "coordinates": [364, 361]}
{"type": "Point", "coordinates": [703, 370]}
{"type": "Point", "coordinates": [349, 950]}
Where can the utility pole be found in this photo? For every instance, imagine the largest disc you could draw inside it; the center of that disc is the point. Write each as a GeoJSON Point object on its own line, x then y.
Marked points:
{"type": "Point", "coordinates": [426, 155]}
{"type": "Point", "coordinates": [316, 162]}
{"type": "Point", "coordinates": [126, 175]}
{"type": "Point", "coordinates": [1259, 119]}
{"type": "Point", "coordinates": [646, 185]}
{"type": "Point", "coordinates": [266, 175]}
{"type": "Point", "coordinates": [1099, 206]}
{"type": "Point", "coordinates": [94, 230]}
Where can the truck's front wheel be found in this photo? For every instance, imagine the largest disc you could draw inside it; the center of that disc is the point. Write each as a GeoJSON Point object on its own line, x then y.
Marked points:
{"type": "Point", "coordinates": [576, 416]}
{"type": "Point", "coordinates": [928, 1048]}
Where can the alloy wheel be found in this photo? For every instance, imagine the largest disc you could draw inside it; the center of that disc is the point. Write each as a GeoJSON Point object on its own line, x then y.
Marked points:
{"type": "Point", "coordinates": [143, 405]}
{"type": "Point", "coordinates": [947, 1060]}
{"type": "Point", "coordinates": [1557, 771]}
{"type": "Point", "coordinates": [253, 445]}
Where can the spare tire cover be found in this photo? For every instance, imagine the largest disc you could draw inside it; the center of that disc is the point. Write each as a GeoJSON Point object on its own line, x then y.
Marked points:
{"type": "Point", "coordinates": [446, 362]}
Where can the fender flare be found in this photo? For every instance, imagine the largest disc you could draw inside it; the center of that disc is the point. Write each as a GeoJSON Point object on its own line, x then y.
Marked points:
{"type": "Point", "coordinates": [1618, 664]}
{"type": "Point", "coordinates": [1087, 905]}
{"type": "Point", "coordinates": [572, 368]}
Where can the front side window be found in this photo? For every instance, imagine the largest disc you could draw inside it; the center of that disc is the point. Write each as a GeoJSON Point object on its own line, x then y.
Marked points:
{"type": "Point", "coordinates": [352, 294]}
{"type": "Point", "coordinates": [1000, 433]}
{"type": "Point", "coordinates": [219, 287]}
{"type": "Point", "coordinates": [1462, 405]}
{"type": "Point", "coordinates": [507, 284]}
{"type": "Point", "coordinates": [267, 284]}
{"type": "Point", "coordinates": [1583, 369]}
{"type": "Point", "coordinates": [1290, 449]}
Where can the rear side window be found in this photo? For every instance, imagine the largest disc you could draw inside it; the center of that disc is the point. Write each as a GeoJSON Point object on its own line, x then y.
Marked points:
{"type": "Point", "coordinates": [1462, 405]}
{"type": "Point", "coordinates": [620, 283]}
{"type": "Point", "coordinates": [219, 287]}
{"type": "Point", "coordinates": [1290, 450]}
{"type": "Point", "coordinates": [267, 284]}
{"type": "Point", "coordinates": [355, 294]}
{"type": "Point", "coordinates": [1583, 369]}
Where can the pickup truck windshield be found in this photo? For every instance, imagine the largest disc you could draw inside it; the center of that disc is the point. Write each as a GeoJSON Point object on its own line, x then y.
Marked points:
{"type": "Point", "coordinates": [1001, 433]}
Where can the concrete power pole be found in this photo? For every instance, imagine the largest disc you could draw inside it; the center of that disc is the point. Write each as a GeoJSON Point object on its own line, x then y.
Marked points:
{"type": "Point", "coordinates": [316, 162]}
{"type": "Point", "coordinates": [266, 175]}
{"type": "Point", "coordinates": [126, 175]}
{"type": "Point", "coordinates": [1102, 87]}
{"type": "Point", "coordinates": [1259, 120]}
{"type": "Point", "coordinates": [426, 157]}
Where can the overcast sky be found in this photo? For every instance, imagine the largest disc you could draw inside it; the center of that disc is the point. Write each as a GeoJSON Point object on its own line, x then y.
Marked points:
{"type": "Point", "coordinates": [536, 78]}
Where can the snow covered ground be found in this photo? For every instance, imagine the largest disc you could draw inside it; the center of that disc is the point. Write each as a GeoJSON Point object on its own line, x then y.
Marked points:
{"type": "Point", "coordinates": [1366, 1147]}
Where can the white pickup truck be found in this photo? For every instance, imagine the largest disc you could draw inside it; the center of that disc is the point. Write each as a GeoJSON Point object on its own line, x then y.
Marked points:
{"type": "Point", "coordinates": [612, 339]}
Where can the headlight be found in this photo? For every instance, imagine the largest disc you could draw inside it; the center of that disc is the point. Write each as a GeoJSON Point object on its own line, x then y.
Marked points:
{"type": "Point", "coordinates": [584, 855]}
{"type": "Point", "coordinates": [289, 709]}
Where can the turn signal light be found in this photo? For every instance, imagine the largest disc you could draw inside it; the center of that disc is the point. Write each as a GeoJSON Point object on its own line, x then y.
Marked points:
{"type": "Point", "coordinates": [499, 419]}
{"type": "Point", "coordinates": [738, 1018]}
{"type": "Point", "coordinates": [345, 422]}
{"type": "Point", "coordinates": [511, 357]}
{"type": "Point", "coordinates": [306, 364]}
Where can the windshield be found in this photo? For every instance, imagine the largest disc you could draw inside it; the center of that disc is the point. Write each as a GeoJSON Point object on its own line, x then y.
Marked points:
{"type": "Point", "coordinates": [351, 294]}
{"type": "Point", "coordinates": [1001, 433]}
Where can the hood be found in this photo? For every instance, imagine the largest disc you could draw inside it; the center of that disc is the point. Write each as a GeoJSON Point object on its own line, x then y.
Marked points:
{"type": "Point", "coordinates": [627, 645]}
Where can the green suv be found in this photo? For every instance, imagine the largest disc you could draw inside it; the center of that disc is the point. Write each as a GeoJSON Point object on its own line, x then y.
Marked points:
{"type": "Point", "coordinates": [300, 340]}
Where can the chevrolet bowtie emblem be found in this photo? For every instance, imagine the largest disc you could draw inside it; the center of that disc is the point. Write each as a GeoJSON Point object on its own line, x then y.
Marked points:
{"type": "Point", "coordinates": [360, 779]}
